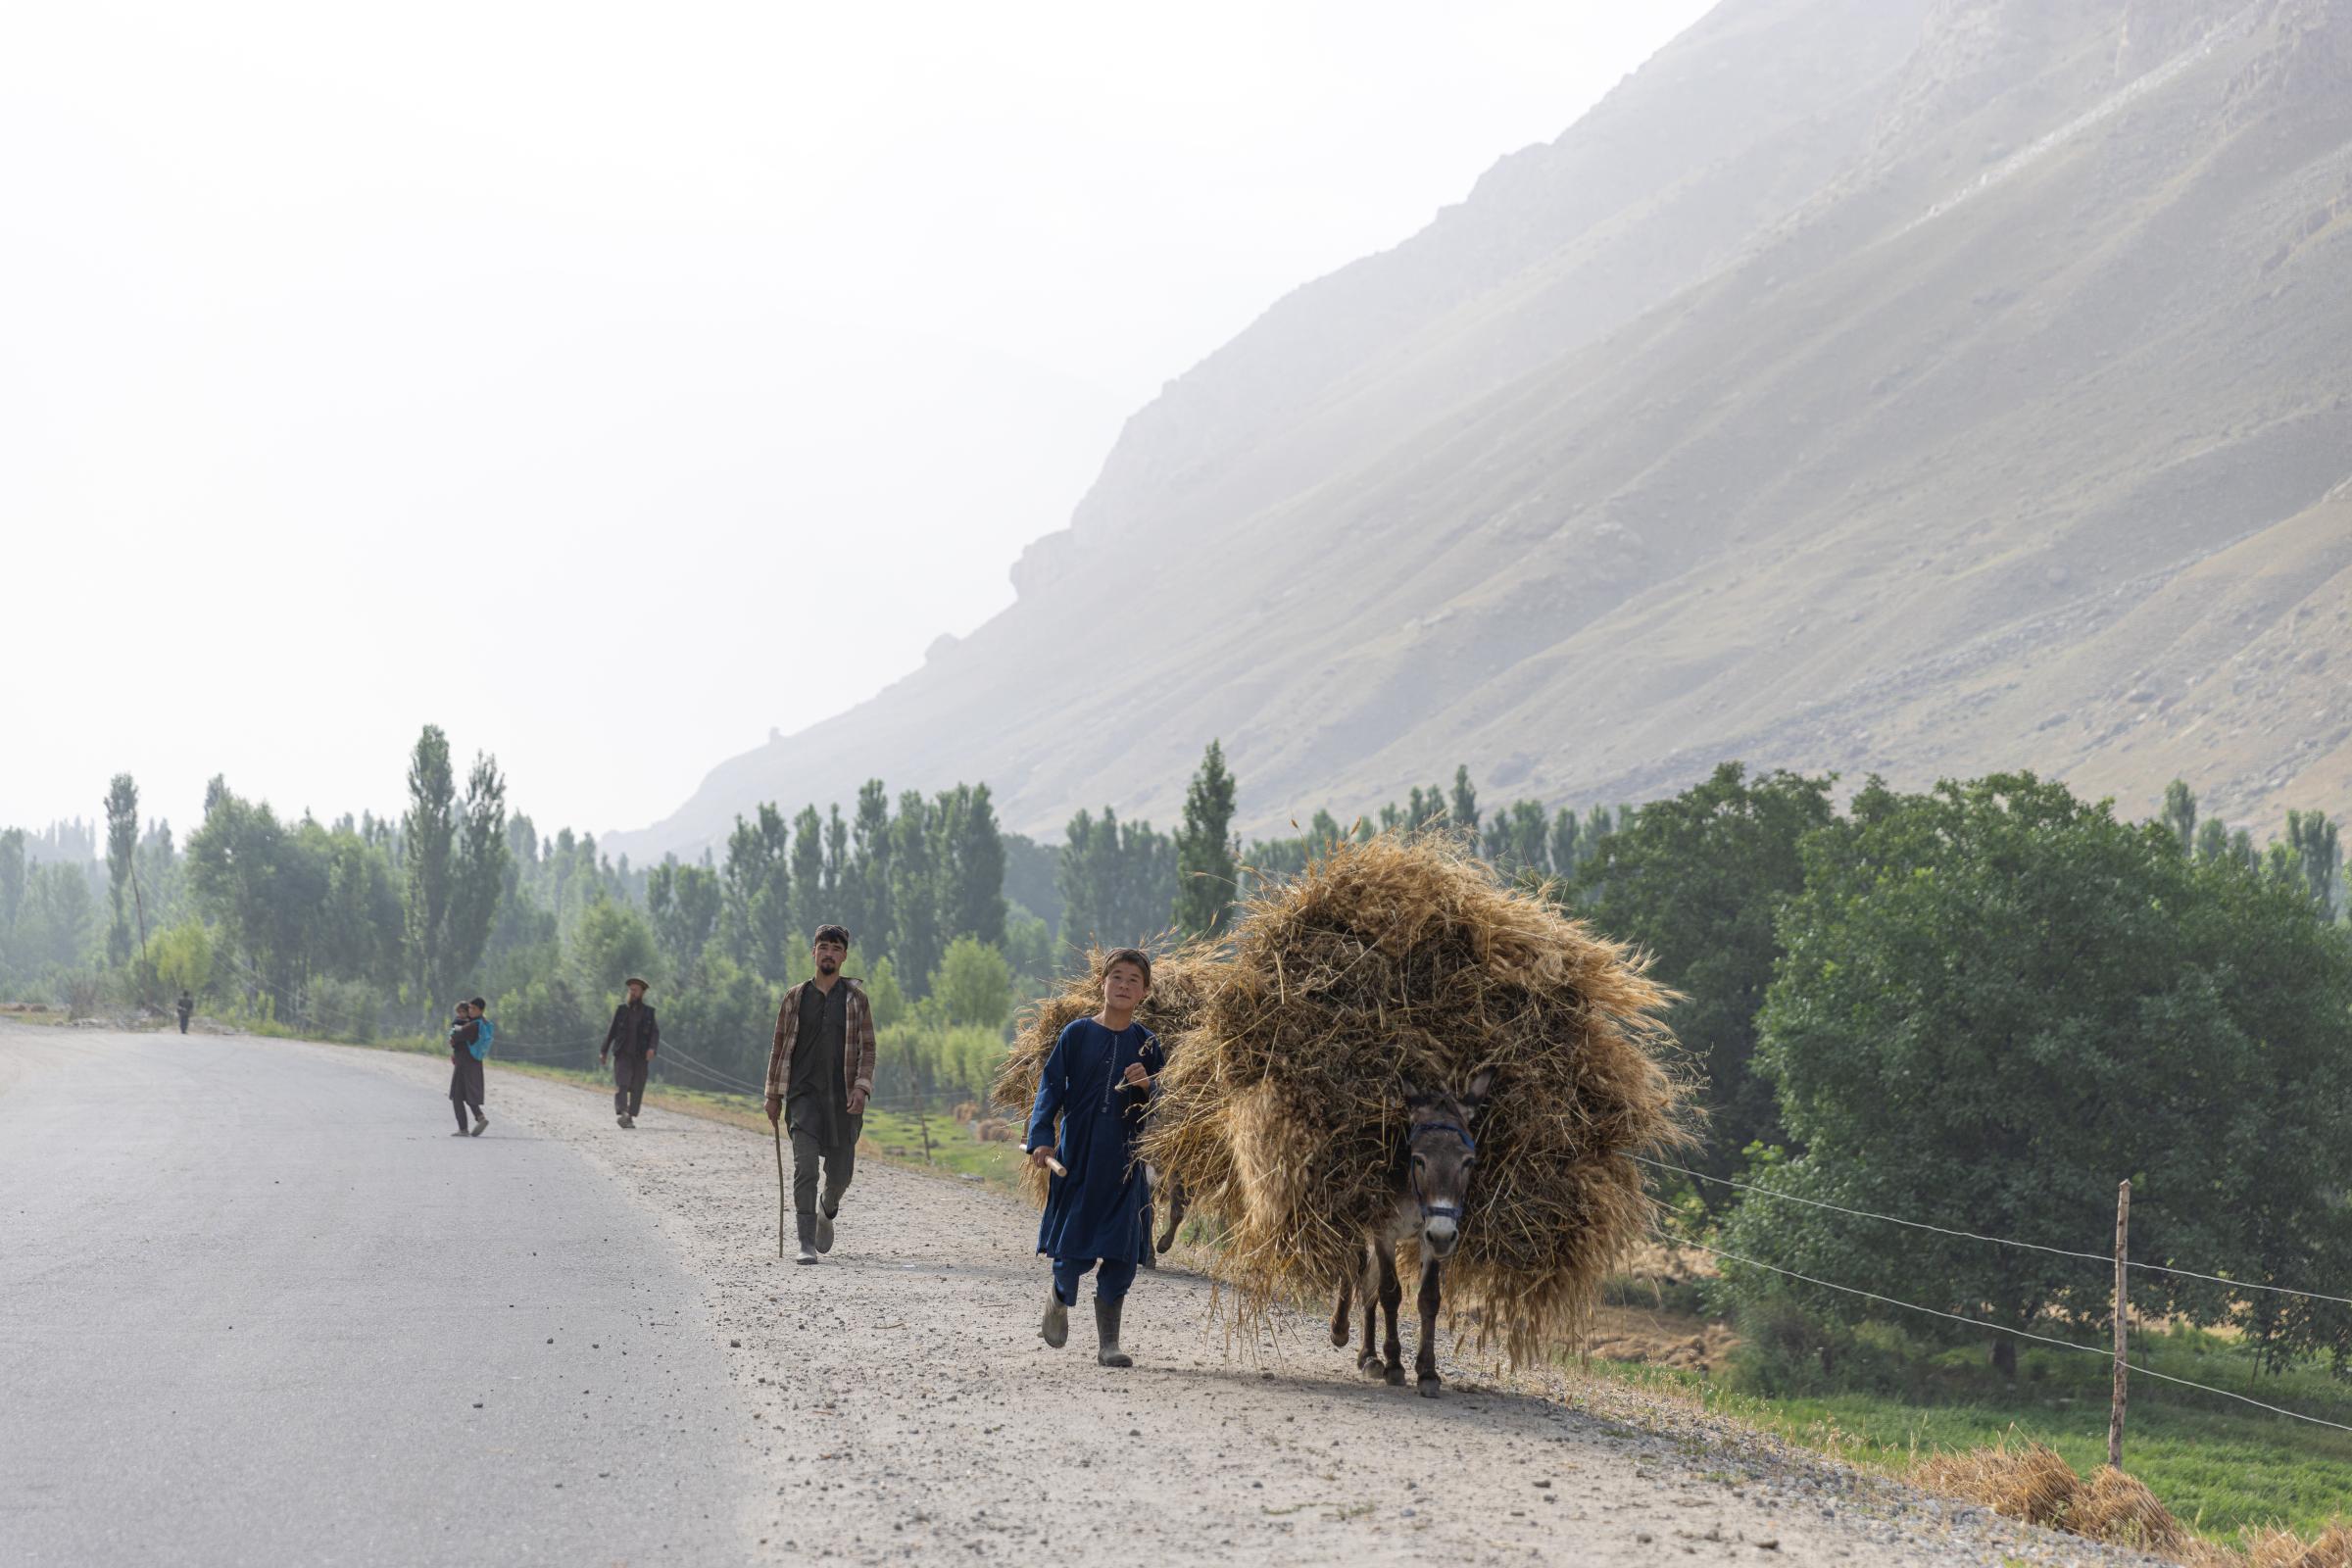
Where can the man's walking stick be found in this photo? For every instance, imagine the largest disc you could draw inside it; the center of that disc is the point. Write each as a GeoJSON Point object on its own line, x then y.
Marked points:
{"type": "Point", "coordinates": [777, 1127]}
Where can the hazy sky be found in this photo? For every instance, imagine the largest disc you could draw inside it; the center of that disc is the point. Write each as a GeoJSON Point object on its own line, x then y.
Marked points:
{"type": "Point", "coordinates": [608, 384]}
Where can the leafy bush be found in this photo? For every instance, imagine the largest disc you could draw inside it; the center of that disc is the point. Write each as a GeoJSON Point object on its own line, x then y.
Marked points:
{"type": "Point", "coordinates": [1790, 1352]}
{"type": "Point", "coordinates": [344, 1009]}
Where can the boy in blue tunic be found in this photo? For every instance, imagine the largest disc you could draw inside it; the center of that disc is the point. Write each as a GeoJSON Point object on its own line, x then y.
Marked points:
{"type": "Point", "coordinates": [1097, 1081]}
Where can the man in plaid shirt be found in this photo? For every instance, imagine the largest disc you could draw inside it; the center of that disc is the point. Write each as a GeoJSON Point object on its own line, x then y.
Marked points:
{"type": "Point", "coordinates": [820, 1074]}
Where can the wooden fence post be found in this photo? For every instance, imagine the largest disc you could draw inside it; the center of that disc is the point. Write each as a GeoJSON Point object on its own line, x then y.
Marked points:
{"type": "Point", "coordinates": [2123, 1232]}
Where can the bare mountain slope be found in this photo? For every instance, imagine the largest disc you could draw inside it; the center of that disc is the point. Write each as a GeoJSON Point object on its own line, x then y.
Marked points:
{"type": "Point", "coordinates": [1921, 388]}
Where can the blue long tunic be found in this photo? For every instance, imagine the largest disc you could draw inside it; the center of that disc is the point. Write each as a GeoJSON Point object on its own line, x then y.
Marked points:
{"type": "Point", "coordinates": [1097, 1209]}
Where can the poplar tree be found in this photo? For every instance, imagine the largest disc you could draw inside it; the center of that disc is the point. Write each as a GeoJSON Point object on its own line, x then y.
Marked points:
{"type": "Point", "coordinates": [867, 882]}
{"type": "Point", "coordinates": [478, 870]}
{"type": "Point", "coordinates": [755, 909]}
{"type": "Point", "coordinates": [428, 836]}
{"type": "Point", "coordinates": [122, 850]}
{"type": "Point", "coordinates": [837, 859]}
{"type": "Point", "coordinates": [915, 939]}
{"type": "Point", "coordinates": [1462, 813]}
{"type": "Point", "coordinates": [2181, 813]}
{"type": "Point", "coordinates": [1077, 877]}
{"type": "Point", "coordinates": [972, 865]}
{"type": "Point", "coordinates": [1205, 870]}
{"type": "Point", "coordinates": [1565, 851]}
{"type": "Point", "coordinates": [2317, 858]}
{"type": "Point", "coordinates": [808, 907]}
{"type": "Point", "coordinates": [12, 876]}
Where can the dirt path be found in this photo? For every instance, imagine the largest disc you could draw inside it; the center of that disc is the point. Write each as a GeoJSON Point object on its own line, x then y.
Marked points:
{"type": "Point", "coordinates": [900, 1406]}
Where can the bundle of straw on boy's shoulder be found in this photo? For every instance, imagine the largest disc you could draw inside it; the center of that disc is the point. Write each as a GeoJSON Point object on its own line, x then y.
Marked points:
{"type": "Point", "coordinates": [1385, 969]}
{"type": "Point", "coordinates": [1177, 982]}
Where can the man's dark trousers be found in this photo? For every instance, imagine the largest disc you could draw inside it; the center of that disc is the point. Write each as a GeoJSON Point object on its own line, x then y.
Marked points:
{"type": "Point", "coordinates": [628, 1084]}
{"type": "Point", "coordinates": [841, 1163]}
{"type": "Point", "coordinates": [465, 1086]}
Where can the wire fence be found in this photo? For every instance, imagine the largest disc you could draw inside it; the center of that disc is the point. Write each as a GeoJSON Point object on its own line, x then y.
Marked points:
{"type": "Point", "coordinates": [2136, 1369]}
{"type": "Point", "coordinates": [2103, 1259]}
{"type": "Point", "coordinates": [2106, 1260]}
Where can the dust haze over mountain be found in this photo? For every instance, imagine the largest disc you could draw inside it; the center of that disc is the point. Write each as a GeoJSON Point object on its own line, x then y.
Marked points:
{"type": "Point", "coordinates": [1912, 386]}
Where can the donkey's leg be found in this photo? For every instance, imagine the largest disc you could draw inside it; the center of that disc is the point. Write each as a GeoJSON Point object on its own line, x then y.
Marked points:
{"type": "Point", "coordinates": [1339, 1313]}
{"type": "Point", "coordinates": [1425, 1359]}
{"type": "Point", "coordinates": [1176, 1207]}
{"type": "Point", "coordinates": [1391, 1297]}
{"type": "Point", "coordinates": [1369, 1359]}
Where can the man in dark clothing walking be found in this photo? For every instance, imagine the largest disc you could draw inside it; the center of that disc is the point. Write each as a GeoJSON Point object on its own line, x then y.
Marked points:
{"type": "Point", "coordinates": [631, 1043]}
{"type": "Point", "coordinates": [822, 1070]}
{"type": "Point", "coordinates": [185, 1005]}
{"type": "Point", "coordinates": [468, 1043]}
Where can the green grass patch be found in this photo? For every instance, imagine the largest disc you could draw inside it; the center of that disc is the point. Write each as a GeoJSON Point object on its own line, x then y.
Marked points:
{"type": "Point", "coordinates": [2217, 1465]}
{"type": "Point", "coordinates": [954, 1149]}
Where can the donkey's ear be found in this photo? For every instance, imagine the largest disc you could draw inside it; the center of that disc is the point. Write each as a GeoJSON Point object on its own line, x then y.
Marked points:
{"type": "Point", "coordinates": [1414, 1098]}
{"type": "Point", "coordinates": [1482, 1082]}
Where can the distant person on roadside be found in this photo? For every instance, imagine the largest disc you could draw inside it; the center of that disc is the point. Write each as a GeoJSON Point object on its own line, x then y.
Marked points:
{"type": "Point", "coordinates": [1097, 1081]}
{"type": "Point", "coordinates": [185, 1005]}
{"type": "Point", "coordinates": [630, 1044]}
{"type": "Point", "coordinates": [468, 1048]}
{"type": "Point", "coordinates": [819, 1075]}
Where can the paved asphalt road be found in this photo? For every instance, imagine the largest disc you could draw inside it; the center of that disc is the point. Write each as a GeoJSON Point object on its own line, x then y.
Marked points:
{"type": "Point", "coordinates": [258, 1306]}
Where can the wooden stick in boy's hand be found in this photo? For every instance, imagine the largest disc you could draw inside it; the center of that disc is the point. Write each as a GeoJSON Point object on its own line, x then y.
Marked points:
{"type": "Point", "coordinates": [1044, 1157]}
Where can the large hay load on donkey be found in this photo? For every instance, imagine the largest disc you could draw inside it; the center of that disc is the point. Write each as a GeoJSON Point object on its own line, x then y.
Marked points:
{"type": "Point", "coordinates": [1177, 984]}
{"type": "Point", "coordinates": [1393, 970]}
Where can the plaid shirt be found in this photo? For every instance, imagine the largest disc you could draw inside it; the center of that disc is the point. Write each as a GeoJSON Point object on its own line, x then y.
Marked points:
{"type": "Point", "coordinates": [857, 1042]}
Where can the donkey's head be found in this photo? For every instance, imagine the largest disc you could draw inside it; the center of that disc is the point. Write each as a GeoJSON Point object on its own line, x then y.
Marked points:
{"type": "Point", "coordinates": [1441, 1153]}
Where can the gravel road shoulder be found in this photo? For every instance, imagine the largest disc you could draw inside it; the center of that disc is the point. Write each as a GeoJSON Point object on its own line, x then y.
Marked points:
{"type": "Point", "coordinates": [900, 1405]}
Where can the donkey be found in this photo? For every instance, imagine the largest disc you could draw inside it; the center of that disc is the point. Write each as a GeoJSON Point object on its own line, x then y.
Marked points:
{"type": "Point", "coordinates": [1432, 1182]}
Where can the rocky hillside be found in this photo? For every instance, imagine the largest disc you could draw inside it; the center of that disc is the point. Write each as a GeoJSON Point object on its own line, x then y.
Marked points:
{"type": "Point", "coordinates": [1911, 386]}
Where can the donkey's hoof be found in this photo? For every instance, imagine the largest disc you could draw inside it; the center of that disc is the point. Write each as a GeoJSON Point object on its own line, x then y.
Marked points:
{"type": "Point", "coordinates": [1339, 1335]}
{"type": "Point", "coordinates": [1431, 1383]}
{"type": "Point", "coordinates": [1369, 1365]}
{"type": "Point", "coordinates": [1394, 1376]}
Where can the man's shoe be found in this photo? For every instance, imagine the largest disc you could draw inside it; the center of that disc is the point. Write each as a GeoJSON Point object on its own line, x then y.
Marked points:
{"type": "Point", "coordinates": [459, 1132]}
{"type": "Point", "coordinates": [808, 1228]}
{"type": "Point", "coordinates": [480, 1121]}
{"type": "Point", "coordinates": [621, 1118]}
{"type": "Point", "coordinates": [628, 1121]}
{"type": "Point", "coordinates": [824, 1230]}
{"type": "Point", "coordinates": [1057, 1320]}
{"type": "Point", "coordinates": [1106, 1331]}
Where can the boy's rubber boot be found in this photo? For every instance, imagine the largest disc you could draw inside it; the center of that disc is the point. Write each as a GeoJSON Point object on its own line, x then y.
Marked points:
{"type": "Point", "coordinates": [480, 1121]}
{"type": "Point", "coordinates": [1057, 1320]}
{"type": "Point", "coordinates": [807, 1226]}
{"type": "Point", "coordinates": [1107, 1329]}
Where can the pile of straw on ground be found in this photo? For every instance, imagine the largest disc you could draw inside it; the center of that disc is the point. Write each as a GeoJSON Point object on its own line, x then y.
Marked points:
{"type": "Point", "coordinates": [1177, 983]}
{"type": "Point", "coordinates": [2032, 1483]}
{"type": "Point", "coordinates": [1388, 967]}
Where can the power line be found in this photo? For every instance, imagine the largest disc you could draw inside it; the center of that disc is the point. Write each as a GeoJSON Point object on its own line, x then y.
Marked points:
{"type": "Point", "coordinates": [2103, 1259]}
{"type": "Point", "coordinates": [2134, 1367]}
{"type": "Point", "coordinates": [1864, 1213]}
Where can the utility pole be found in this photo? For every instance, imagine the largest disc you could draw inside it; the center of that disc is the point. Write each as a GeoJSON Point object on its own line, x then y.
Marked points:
{"type": "Point", "coordinates": [2123, 1232]}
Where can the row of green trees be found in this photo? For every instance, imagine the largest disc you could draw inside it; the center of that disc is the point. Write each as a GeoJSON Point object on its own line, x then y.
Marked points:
{"type": "Point", "coordinates": [1980, 1006]}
